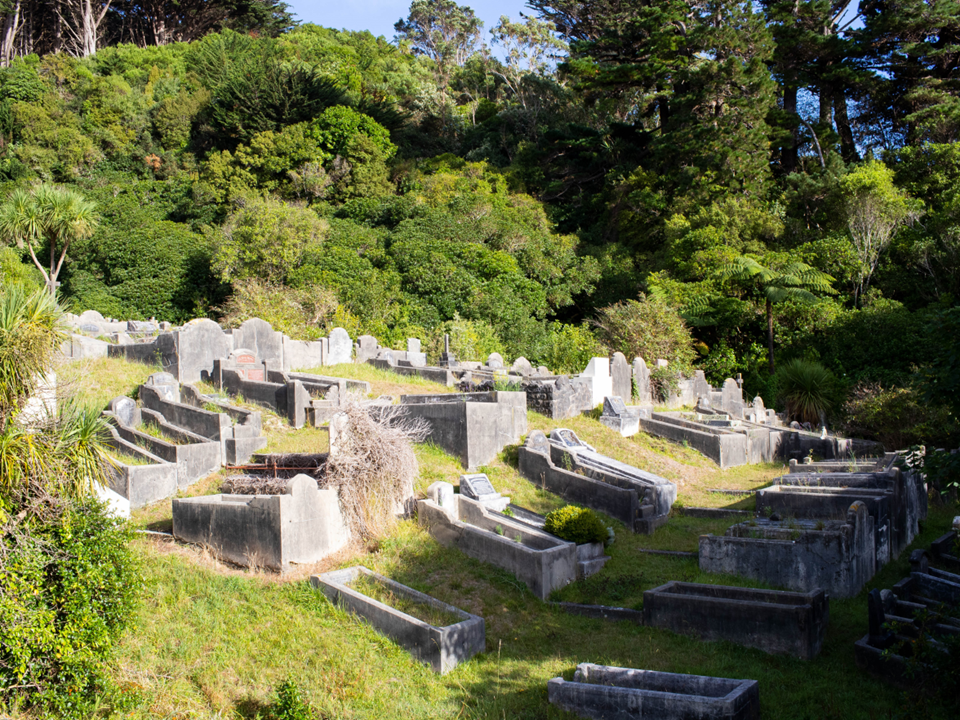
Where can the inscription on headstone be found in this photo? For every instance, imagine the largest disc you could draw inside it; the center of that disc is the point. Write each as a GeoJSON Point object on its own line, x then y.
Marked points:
{"type": "Point", "coordinates": [477, 487]}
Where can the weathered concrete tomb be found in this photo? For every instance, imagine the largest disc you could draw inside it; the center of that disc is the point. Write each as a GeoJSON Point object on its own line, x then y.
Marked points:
{"type": "Point", "coordinates": [301, 526]}
{"type": "Point", "coordinates": [777, 622]}
{"type": "Point", "coordinates": [565, 465]}
{"type": "Point", "coordinates": [542, 561]}
{"type": "Point", "coordinates": [802, 555]}
{"type": "Point", "coordinates": [442, 648]}
{"type": "Point", "coordinates": [235, 429]}
{"type": "Point", "coordinates": [474, 427]}
{"type": "Point", "coordinates": [614, 693]}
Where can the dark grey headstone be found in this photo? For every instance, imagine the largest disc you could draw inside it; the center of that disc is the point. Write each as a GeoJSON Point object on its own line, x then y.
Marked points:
{"type": "Point", "coordinates": [139, 326]}
{"type": "Point", "coordinates": [641, 380]}
{"type": "Point", "coordinates": [537, 442]}
{"type": "Point", "coordinates": [477, 487]}
{"type": "Point", "coordinates": [495, 361]}
{"type": "Point", "coordinates": [613, 405]}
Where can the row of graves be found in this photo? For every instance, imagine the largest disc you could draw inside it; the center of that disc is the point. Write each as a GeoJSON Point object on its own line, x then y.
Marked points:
{"type": "Point", "coordinates": [821, 531]}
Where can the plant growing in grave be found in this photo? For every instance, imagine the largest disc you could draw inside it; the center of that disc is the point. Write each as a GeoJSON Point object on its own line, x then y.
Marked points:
{"type": "Point", "coordinates": [664, 382]}
{"type": "Point", "coordinates": [808, 390]}
{"type": "Point", "coordinates": [576, 524]}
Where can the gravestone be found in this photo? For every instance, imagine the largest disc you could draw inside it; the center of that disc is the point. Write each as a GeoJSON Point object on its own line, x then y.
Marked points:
{"type": "Point", "coordinates": [447, 358]}
{"type": "Point", "coordinates": [262, 340]}
{"type": "Point", "coordinates": [442, 494]}
{"type": "Point", "coordinates": [414, 356]}
{"type": "Point", "coordinates": [759, 410]}
{"type": "Point", "coordinates": [620, 374]}
{"type": "Point", "coordinates": [477, 486]}
{"type": "Point", "coordinates": [731, 398]}
{"type": "Point", "coordinates": [91, 317]}
{"type": "Point", "coordinates": [126, 410]}
{"type": "Point", "coordinates": [538, 442]}
{"type": "Point", "coordinates": [641, 381]}
{"type": "Point", "coordinates": [597, 374]}
{"type": "Point", "coordinates": [366, 348]}
{"type": "Point", "coordinates": [199, 343]}
{"type": "Point", "coordinates": [495, 361]}
{"type": "Point", "coordinates": [701, 388]}
{"type": "Point", "coordinates": [615, 406]}
{"type": "Point", "coordinates": [661, 363]}
{"type": "Point", "coordinates": [166, 386]}
{"type": "Point", "coordinates": [91, 328]}
{"type": "Point", "coordinates": [522, 366]}
{"type": "Point", "coordinates": [138, 326]}
{"type": "Point", "coordinates": [341, 348]}
{"type": "Point", "coordinates": [388, 356]}
{"type": "Point", "coordinates": [247, 364]}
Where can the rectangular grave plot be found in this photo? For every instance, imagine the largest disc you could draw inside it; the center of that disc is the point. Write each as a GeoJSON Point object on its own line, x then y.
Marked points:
{"type": "Point", "coordinates": [440, 647]}
{"type": "Point", "coordinates": [777, 622]}
{"type": "Point", "coordinates": [603, 692]}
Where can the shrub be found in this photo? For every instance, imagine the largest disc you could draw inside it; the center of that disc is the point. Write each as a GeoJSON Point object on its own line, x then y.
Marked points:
{"type": "Point", "coordinates": [299, 313]}
{"type": "Point", "coordinates": [576, 524]}
{"type": "Point", "coordinates": [808, 390]}
{"type": "Point", "coordinates": [649, 328]}
{"type": "Point", "coordinates": [68, 586]}
{"type": "Point", "coordinates": [571, 347]}
{"type": "Point", "coordinates": [664, 382]}
{"type": "Point", "coordinates": [290, 704]}
{"type": "Point", "coordinates": [897, 417]}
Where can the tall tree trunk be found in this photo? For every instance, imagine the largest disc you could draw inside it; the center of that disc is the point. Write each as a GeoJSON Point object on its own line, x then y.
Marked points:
{"type": "Point", "coordinates": [826, 108]}
{"type": "Point", "coordinates": [770, 334]}
{"type": "Point", "coordinates": [11, 24]}
{"type": "Point", "coordinates": [848, 148]}
{"type": "Point", "coordinates": [788, 153]}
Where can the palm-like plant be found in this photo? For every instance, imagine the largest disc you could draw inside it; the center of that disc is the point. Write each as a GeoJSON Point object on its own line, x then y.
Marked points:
{"type": "Point", "coordinates": [47, 215]}
{"type": "Point", "coordinates": [795, 281]}
{"type": "Point", "coordinates": [807, 389]}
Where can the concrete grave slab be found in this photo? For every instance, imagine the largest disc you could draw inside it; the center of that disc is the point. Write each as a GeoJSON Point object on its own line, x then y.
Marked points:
{"type": "Point", "coordinates": [440, 648]}
{"type": "Point", "coordinates": [615, 693]}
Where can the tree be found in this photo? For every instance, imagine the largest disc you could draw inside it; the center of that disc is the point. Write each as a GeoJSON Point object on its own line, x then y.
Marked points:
{"type": "Point", "coordinates": [875, 209]}
{"type": "Point", "coordinates": [443, 31]}
{"type": "Point", "coordinates": [793, 281]}
{"type": "Point", "coordinates": [530, 47]}
{"type": "Point", "coordinates": [49, 215]}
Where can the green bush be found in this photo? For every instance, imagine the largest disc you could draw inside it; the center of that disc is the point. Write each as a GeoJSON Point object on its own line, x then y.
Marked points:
{"type": "Point", "coordinates": [897, 417]}
{"type": "Point", "coordinates": [68, 587]}
{"type": "Point", "coordinates": [649, 328]}
{"type": "Point", "coordinates": [301, 313]}
{"type": "Point", "coordinates": [576, 524]}
{"type": "Point", "coordinates": [808, 390]}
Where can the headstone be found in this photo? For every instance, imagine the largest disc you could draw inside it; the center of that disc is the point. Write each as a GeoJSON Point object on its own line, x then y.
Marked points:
{"type": "Point", "coordinates": [661, 363]}
{"type": "Point", "coordinates": [598, 374]}
{"type": "Point", "coordinates": [758, 409]}
{"type": "Point", "coordinates": [477, 487]}
{"type": "Point", "coordinates": [166, 386]}
{"type": "Point", "coordinates": [522, 366]}
{"type": "Point", "coordinates": [90, 328]}
{"type": "Point", "coordinates": [442, 494]}
{"type": "Point", "coordinates": [341, 348]}
{"type": "Point", "coordinates": [568, 439]}
{"type": "Point", "coordinates": [125, 409]}
{"type": "Point", "coordinates": [731, 398]}
{"type": "Point", "coordinates": [121, 338]}
{"type": "Point", "coordinates": [366, 348]}
{"type": "Point", "coordinates": [701, 388]}
{"type": "Point", "coordinates": [389, 356]}
{"type": "Point", "coordinates": [495, 361]}
{"type": "Point", "coordinates": [543, 371]}
{"type": "Point", "coordinates": [165, 326]}
{"type": "Point", "coordinates": [919, 562]}
{"type": "Point", "coordinates": [259, 336]}
{"type": "Point", "coordinates": [138, 326]}
{"type": "Point", "coordinates": [622, 383]}
{"type": "Point", "coordinates": [246, 363]}
{"type": "Point", "coordinates": [614, 406]}
{"type": "Point", "coordinates": [538, 442]}
{"type": "Point", "coordinates": [641, 381]}
{"type": "Point", "coordinates": [414, 356]}
{"type": "Point", "coordinates": [447, 359]}
{"type": "Point", "coordinates": [93, 317]}
{"type": "Point", "coordinates": [198, 344]}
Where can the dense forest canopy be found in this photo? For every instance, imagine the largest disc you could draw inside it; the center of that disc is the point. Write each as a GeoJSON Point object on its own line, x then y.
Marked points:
{"type": "Point", "coordinates": [782, 177]}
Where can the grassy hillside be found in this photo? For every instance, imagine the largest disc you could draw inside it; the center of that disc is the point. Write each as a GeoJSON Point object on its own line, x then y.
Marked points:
{"type": "Point", "coordinates": [215, 641]}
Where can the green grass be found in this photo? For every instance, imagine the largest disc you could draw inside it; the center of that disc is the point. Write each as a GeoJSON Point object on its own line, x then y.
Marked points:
{"type": "Point", "coordinates": [210, 641]}
{"type": "Point", "coordinates": [382, 382]}
{"type": "Point", "coordinates": [429, 614]}
{"type": "Point", "coordinates": [98, 381]}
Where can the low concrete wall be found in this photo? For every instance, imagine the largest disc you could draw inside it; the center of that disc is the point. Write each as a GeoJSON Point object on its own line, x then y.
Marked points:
{"type": "Point", "coordinates": [839, 559]}
{"type": "Point", "coordinates": [441, 648]}
{"type": "Point", "coordinates": [830, 504]}
{"type": "Point", "coordinates": [606, 693]}
{"type": "Point", "coordinates": [619, 503]}
{"type": "Point", "coordinates": [433, 374]}
{"type": "Point", "coordinates": [785, 623]}
{"type": "Point", "coordinates": [140, 484]}
{"type": "Point", "coordinates": [303, 525]}
{"type": "Point", "coordinates": [540, 560]}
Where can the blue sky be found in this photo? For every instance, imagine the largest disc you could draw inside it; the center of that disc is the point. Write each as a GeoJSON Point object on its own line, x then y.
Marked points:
{"type": "Point", "coordinates": [379, 16]}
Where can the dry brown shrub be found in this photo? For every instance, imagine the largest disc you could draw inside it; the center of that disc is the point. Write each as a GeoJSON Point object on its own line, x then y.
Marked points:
{"type": "Point", "coordinates": [374, 465]}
